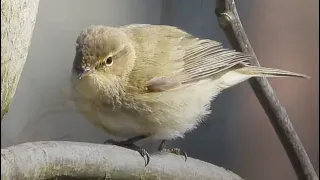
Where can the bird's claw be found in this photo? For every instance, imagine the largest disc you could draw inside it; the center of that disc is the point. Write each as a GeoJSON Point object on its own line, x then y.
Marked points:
{"type": "Point", "coordinates": [176, 151]}
{"type": "Point", "coordinates": [145, 155]}
{"type": "Point", "coordinates": [131, 146]}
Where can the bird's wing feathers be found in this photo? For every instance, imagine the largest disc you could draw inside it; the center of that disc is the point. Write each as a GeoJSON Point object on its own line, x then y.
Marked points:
{"type": "Point", "coordinates": [204, 58]}
{"type": "Point", "coordinates": [173, 57]}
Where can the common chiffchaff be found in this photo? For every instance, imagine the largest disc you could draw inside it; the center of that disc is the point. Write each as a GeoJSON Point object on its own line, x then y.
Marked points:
{"type": "Point", "coordinates": [153, 81]}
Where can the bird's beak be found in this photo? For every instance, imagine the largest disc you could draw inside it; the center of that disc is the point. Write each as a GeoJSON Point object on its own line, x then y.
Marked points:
{"type": "Point", "coordinates": [84, 73]}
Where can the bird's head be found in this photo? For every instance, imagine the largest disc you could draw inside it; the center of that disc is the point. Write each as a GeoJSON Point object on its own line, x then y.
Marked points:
{"type": "Point", "coordinates": [104, 59]}
{"type": "Point", "coordinates": [103, 52]}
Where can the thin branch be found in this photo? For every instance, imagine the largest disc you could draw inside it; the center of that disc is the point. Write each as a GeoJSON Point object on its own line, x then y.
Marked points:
{"type": "Point", "coordinates": [49, 160]}
{"type": "Point", "coordinates": [231, 24]}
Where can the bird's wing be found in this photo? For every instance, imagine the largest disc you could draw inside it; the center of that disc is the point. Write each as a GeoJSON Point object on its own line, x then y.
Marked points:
{"type": "Point", "coordinates": [204, 58]}
{"type": "Point", "coordinates": [173, 57]}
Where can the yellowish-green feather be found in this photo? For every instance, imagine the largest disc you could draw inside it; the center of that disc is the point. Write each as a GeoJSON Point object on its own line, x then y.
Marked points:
{"type": "Point", "coordinates": [175, 54]}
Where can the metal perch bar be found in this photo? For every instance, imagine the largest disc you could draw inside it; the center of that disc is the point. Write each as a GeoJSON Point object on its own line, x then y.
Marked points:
{"type": "Point", "coordinates": [63, 160]}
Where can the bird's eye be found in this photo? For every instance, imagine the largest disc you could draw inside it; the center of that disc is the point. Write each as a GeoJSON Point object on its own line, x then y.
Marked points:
{"type": "Point", "coordinates": [109, 61]}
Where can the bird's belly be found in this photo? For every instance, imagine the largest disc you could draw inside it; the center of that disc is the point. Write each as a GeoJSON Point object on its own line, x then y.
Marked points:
{"type": "Point", "coordinates": [127, 125]}
{"type": "Point", "coordinates": [181, 111]}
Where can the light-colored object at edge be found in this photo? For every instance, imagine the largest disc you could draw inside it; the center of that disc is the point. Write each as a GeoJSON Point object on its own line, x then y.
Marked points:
{"type": "Point", "coordinates": [18, 19]}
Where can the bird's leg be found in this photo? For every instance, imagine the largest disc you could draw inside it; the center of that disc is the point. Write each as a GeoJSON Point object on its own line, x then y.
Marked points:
{"type": "Point", "coordinates": [176, 151]}
{"type": "Point", "coordinates": [129, 143]}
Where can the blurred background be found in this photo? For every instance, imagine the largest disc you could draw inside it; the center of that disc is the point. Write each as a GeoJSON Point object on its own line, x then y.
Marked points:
{"type": "Point", "coordinates": [237, 136]}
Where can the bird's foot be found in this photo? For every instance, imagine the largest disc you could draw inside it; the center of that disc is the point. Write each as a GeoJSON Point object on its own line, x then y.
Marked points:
{"type": "Point", "coordinates": [129, 144]}
{"type": "Point", "coordinates": [176, 151]}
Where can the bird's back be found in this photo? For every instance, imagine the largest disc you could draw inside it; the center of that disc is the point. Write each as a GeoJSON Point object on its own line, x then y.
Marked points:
{"type": "Point", "coordinates": [160, 56]}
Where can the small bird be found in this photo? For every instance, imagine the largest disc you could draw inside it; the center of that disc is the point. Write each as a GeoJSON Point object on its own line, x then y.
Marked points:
{"type": "Point", "coordinates": [153, 81]}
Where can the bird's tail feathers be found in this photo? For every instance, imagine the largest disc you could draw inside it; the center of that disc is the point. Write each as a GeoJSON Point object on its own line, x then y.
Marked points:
{"type": "Point", "coordinates": [256, 71]}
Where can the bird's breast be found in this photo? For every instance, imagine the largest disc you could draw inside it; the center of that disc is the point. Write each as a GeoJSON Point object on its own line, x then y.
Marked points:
{"type": "Point", "coordinates": [115, 121]}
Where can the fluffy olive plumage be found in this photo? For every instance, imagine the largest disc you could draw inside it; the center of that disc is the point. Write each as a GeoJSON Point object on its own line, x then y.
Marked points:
{"type": "Point", "coordinates": [153, 80]}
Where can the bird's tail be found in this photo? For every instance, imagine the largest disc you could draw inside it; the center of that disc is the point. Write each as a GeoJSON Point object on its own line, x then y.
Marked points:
{"type": "Point", "coordinates": [256, 71]}
{"type": "Point", "coordinates": [244, 72]}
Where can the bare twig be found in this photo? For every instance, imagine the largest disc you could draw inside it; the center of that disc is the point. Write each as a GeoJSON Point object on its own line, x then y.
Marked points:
{"type": "Point", "coordinates": [231, 24]}
{"type": "Point", "coordinates": [49, 160]}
